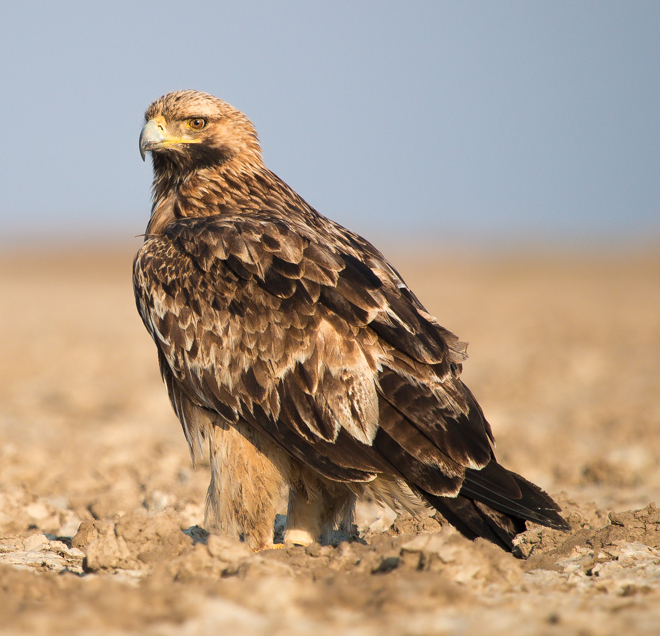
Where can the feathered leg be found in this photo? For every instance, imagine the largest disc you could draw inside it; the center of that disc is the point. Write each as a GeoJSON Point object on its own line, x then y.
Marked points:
{"type": "Point", "coordinates": [247, 472]}
{"type": "Point", "coordinates": [317, 508]}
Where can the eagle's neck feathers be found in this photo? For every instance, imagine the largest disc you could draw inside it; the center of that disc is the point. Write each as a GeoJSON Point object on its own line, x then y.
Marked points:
{"type": "Point", "coordinates": [234, 187]}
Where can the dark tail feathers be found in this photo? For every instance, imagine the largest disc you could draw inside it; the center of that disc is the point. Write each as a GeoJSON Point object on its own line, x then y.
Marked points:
{"type": "Point", "coordinates": [494, 503]}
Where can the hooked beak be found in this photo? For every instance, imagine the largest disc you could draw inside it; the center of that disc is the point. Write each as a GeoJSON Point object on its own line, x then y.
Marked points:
{"type": "Point", "coordinates": [151, 137]}
{"type": "Point", "coordinates": [154, 136]}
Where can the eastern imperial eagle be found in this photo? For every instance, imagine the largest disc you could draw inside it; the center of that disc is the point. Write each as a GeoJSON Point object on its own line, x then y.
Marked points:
{"type": "Point", "coordinates": [296, 351]}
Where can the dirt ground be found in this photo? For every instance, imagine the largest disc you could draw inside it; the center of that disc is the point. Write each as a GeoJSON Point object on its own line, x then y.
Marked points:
{"type": "Point", "coordinates": [101, 509]}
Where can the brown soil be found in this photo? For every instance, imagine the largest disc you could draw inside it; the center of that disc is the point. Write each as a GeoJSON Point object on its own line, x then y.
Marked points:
{"type": "Point", "coordinates": [100, 508]}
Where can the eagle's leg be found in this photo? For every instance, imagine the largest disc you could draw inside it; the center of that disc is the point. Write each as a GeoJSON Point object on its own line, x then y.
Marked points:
{"type": "Point", "coordinates": [317, 508]}
{"type": "Point", "coordinates": [247, 473]}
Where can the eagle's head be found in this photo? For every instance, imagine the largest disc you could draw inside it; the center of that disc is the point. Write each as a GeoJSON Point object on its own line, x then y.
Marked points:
{"type": "Point", "coordinates": [188, 130]}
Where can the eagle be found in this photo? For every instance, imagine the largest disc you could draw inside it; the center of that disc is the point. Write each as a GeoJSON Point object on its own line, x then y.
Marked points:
{"type": "Point", "coordinates": [293, 349]}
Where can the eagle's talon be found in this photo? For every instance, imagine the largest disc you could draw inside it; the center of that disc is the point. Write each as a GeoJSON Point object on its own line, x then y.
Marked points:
{"type": "Point", "coordinates": [275, 546]}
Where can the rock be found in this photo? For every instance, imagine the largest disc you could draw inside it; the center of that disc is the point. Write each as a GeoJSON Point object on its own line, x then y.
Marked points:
{"type": "Point", "coordinates": [227, 549]}
{"type": "Point", "coordinates": [136, 541]}
{"type": "Point", "coordinates": [36, 542]}
{"type": "Point", "coordinates": [87, 533]}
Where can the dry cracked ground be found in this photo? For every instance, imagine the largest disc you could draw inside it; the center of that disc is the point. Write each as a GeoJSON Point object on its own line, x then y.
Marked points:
{"type": "Point", "coordinates": [101, 509]}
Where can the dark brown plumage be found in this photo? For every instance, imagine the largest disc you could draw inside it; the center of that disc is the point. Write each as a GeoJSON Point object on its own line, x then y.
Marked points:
{"type": "Point", "coordinates": [296, 351]}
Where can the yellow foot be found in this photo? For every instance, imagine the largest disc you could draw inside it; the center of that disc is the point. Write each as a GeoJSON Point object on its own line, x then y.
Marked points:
{"type": "Point", "coordinates": [275, 546]}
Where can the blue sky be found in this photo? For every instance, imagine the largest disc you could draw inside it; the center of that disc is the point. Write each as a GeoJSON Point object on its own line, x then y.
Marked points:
{"type": "Point", "coordinates": [458, 122]}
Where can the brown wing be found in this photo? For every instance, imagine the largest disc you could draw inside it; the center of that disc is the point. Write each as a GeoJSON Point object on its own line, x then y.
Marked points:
{"type": "Point", "coordinates": [333, 359]}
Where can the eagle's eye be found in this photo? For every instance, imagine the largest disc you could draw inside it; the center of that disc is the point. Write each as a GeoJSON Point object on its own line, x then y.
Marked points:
{"type": "Point", "coordinates": [197, 123]}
